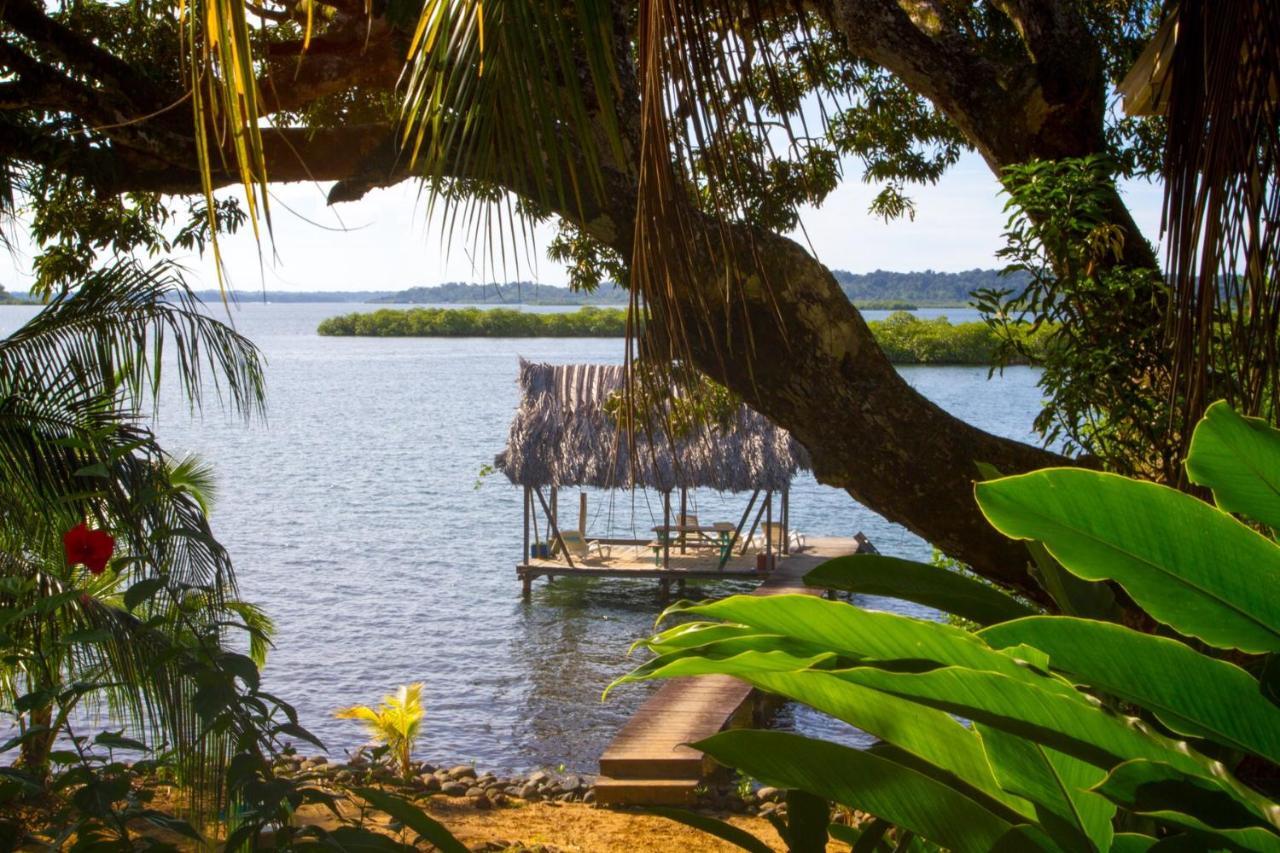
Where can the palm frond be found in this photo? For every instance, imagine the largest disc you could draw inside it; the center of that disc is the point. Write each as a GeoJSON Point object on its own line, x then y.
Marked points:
{"type": "Point", "coordinates": [1222, 207]}
{"type": "Point", "coordinates": [108, 336]}
{"type": "Point", "coordinates": [511, 93]}
{"type": "Point", "coordinates": [138, 669]}
{"type": "Point", "coordinates": [220, 67]}
{"type": "Point", "coordinates": [194, 476]}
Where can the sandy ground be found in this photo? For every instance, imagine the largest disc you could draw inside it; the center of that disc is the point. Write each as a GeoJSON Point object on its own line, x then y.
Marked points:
{"type": "Point", "coordinates": [576, 828]}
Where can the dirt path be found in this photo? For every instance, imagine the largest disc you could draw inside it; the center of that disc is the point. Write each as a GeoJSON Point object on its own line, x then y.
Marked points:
{"type": "Point", "coordinates": [574, 828]}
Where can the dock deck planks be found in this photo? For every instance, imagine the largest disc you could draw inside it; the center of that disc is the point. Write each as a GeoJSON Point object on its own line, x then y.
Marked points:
{"type": "Point", "coordinates": [647, 762]}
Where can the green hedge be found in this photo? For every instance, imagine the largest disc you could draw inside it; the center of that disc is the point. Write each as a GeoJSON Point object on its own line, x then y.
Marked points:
{"type": "Point", "coordinates": [906, 339]}
{"type": "Point", "coordinates": [586, 322]}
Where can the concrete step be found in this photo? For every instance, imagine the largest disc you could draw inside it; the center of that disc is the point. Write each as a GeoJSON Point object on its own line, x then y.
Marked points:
{"type": "Point", "coordinates": [646, 792]}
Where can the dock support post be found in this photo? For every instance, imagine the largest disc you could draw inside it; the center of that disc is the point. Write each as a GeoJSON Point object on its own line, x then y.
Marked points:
{"type": "Point", "coordinates": [554, 529]}
{"type": "Point", "coordinates": [664, 588]}
{"type": "Point", "coordinates": [785, 518]}
{"type": "Point", "coordinates": [528, 500]}
{"type": "Point", "coordinates": [526, 583]}
{"type": "Point", "coordinates": [582, 512]}
{"type": "Point", "coordinates": [683, 512]}
{"type": "Point", "coordinates": [666, 534]}
{"type": "Point", "coordinates": [768, 528]}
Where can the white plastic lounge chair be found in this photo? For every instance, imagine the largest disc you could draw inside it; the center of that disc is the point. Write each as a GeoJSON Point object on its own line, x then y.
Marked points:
{"type": "Point", "coordinates": [775, 530]}
{"type": "Point", "coordinates": [581, 548]}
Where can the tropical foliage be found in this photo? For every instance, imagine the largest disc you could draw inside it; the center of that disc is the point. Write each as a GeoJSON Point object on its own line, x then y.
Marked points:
{"type": "Point", "coordinates": [1068, 279]}
{"type": "Point", "coordinates": [1038, 732]}
{"type": "Point", "coordinates": [905, 339]}
{"type": "Point", "coordinates": [118, 606]}
{"type": "Point", "coordinates": [80, 478]}
{"type": "Point", "coordinates": [586, 322]}
{"type": "Point", "coordinates": [396, 723]}
{"type": "Point", "coordinates": [677, 142]}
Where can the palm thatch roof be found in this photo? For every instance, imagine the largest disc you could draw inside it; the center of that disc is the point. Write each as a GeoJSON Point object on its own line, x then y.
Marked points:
{"type": "Point", "coordinates": [563, 436]}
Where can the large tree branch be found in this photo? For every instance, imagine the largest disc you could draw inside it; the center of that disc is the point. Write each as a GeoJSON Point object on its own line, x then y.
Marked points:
{"type": "Point", "coordinates": [28, 18]}
{"type": "Point", "coordinates": [1049, 106]}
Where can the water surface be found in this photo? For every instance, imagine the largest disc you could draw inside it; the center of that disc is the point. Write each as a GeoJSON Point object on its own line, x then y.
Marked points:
{"type": "Point", "coordinates": [353, 516]}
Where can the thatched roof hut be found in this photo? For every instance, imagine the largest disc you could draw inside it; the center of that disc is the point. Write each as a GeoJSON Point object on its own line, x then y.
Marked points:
{"type": "Point", "coordinates": [563, 436]}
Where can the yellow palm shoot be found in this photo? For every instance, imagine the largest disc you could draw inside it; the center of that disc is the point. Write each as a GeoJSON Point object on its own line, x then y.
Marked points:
{"type": "Point", "coordinates": [395, 722]}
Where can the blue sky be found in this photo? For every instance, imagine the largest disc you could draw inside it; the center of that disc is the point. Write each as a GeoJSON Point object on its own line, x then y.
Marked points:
{"type": "Point", "coordinates": [388, 243]}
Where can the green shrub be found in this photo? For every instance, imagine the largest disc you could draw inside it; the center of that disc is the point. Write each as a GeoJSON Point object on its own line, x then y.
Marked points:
{"type": "Point", "coordinates": [905, 338]}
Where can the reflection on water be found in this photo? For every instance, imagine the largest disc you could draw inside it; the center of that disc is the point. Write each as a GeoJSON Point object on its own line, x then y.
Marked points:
{"type": "Point", "coordinates": [352, 516]}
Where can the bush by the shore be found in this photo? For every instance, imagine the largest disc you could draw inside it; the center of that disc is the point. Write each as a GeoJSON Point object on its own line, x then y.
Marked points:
{"type": "Point", "coordinates": [906, 339]}
{"type": "Point", "coordinates": [587, 322]}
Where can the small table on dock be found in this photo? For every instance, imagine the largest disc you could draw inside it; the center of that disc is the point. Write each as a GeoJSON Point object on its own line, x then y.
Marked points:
{"type": "Point", "coordinates": [718, 535]}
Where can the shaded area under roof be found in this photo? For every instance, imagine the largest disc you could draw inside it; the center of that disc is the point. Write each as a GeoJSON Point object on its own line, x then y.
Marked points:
{"type": "Point", "coordinates": [562, 436]}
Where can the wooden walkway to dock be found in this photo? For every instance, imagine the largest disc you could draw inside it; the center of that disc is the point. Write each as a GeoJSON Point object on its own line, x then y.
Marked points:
{"type": "Point", "coordinates": [647, 763]}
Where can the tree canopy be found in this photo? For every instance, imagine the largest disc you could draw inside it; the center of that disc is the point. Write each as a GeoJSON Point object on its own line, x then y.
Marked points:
{"type": "Point", "coordinates": [673, 143]}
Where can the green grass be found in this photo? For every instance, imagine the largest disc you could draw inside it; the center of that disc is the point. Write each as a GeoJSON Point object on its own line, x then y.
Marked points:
{"type": "Point", "coordinates": [905, 339]}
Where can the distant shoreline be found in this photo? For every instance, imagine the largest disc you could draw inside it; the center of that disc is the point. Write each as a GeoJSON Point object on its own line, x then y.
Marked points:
{"type": "Point", "coordinates": [878, 290]}
{"type": "Point", "coordinates": [905, 339]}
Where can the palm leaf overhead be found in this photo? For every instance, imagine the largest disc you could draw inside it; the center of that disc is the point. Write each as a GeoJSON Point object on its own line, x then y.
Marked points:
{"type": "Point", "coordinates": [517, 95]}
{"type": "Point", "coordinates": [1222, 206]}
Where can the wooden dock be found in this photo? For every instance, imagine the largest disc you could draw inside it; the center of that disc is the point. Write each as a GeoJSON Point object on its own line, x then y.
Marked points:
{"type": "Point", "coordinates": [648, 763]}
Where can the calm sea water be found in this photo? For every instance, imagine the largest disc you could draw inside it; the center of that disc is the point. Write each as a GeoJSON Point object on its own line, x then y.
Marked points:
{"type": "Point", "coordinates": [353, 515]}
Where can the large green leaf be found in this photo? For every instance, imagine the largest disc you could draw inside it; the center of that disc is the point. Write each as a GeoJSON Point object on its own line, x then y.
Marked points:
{"type": "Point", "coordinates": [1193, 694]}
{"type": "Point", "coordinates": [427, 827]}
{"type": "Point", "coordinates": [1186, 563]}
{"type": "Point", "coordinates": [723, 658]}
{"type": "Point", "coordinates": [1152, 787]}
{"type": "Point", "coordinates": [933, 737]}
{"type": "Point", "coordinates": [1077, 726]}
{"type": "Point", "coordinates": [852, 632]}
{"type": "Point", "coordinates": [1074, 596]}
{"type": "Point", "coordinates": [1081, 728]}
{"type": "Point", "coordinates": [861, 780]}
{"type": "Point", "coordinates": [1059, 786]}
{"type": "Point", "coordinates": [1029, 839]}
{"type": "Point", "coordinates": [1239, 459]}
{"type": "Point", "coordinates": [932, 586]}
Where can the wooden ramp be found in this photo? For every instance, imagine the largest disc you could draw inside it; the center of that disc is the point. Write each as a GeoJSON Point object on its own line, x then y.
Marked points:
{"type": "Point", "coordinates": [647, 763]}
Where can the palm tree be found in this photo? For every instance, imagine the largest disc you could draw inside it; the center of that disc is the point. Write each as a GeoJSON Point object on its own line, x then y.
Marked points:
{"type": "Point", "coordinates": [142, 628]}
{"type": "Point", "coordinates": [396, 722]}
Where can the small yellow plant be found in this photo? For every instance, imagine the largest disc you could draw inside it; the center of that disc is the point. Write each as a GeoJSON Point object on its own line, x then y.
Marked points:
{"type": "Point", "coordinates": [395, 722]}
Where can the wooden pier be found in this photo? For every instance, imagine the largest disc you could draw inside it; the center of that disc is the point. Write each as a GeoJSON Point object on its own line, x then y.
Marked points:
{"type": "Point", "coordinates": [648, 763]}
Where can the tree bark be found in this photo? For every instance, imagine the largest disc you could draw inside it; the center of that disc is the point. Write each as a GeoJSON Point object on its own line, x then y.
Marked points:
{"type": "Point", "coordinates": [791, 343]}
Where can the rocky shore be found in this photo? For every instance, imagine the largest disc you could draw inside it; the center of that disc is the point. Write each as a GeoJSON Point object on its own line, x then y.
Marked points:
{"type": "Point", "coordinates": [485, 790]}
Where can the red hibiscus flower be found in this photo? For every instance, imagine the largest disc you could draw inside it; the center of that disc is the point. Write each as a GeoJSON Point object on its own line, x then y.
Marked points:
{"type": "Point", "coordinates": [91, 547]}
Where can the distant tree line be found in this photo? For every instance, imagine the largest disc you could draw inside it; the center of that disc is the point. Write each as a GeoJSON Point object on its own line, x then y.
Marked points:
{"type": "Point", "coordinates": [7, 298]}
{"type": "Point", "coordinates": [512, 292]}
{"type": "Point", "coordinates": [879, 290]}
{"type": "Point", "coordinates": [586, 322]}
{"type": "Point", "coordinates": [906, 339]}
{"type": "Point", "coordinates": [210, 297]}
{"type": "Point", "coordinates": [926, 288]}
